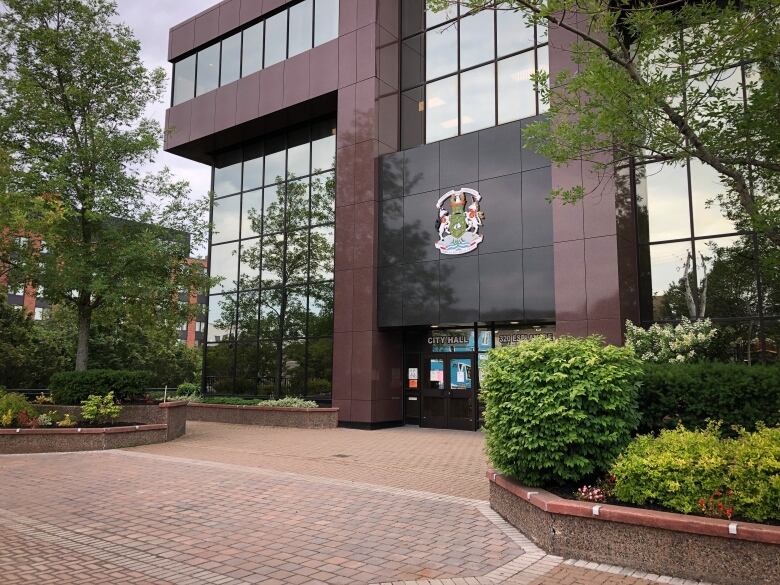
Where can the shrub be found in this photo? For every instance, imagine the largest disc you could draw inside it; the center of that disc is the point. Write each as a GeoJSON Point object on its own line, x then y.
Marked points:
{"type": "Point", "coordinates": [685, 342]}
{"type": "Point", "coordinates": [12, 405]}
{"type": "Point", "coordinates": [755, 474]}
{"type": "Point", "coordinates": [289, 402]}
{"type": "Point", "coordinates": [674, 470]}
{"type": "Point", "coordinates": [688, 471]}
{"type": "Point", "coordinates": [735, 394]}
{"type": "Point", "coordinates": [70, 388]}
{"type": "Point", "coordinates": [559, 411]}
{"type": "Point", "coordinates": [187, 388]}
{"type": "Point", "coordinates": [67, 422]}
{"type": "Point", "coordinates": [100, 409]}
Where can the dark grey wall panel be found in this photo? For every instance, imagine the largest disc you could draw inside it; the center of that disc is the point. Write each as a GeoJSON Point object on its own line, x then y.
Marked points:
{"type": "Point", "coordinates": [509, 277]}
{"type": "Point", "coordinates": [501, 286]}
{"type": "Point", "coordinates": [459, 290]}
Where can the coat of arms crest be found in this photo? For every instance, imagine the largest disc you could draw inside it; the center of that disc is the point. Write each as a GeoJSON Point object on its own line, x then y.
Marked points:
{"type": "Point", "coordinates": [459, 225]}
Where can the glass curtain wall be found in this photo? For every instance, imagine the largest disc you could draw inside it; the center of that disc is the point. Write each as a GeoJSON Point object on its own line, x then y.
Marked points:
{"type": "Point", "coordinates": [465, 70]}
{"type": "Point", "coordinates": [283, 35]}
{"type": "Point", "coordinates": [695, 260]}
{"type": "Point", "coordinates": [270, 316]}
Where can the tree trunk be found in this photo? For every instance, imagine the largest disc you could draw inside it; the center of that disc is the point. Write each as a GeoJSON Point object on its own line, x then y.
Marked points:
{"type": "Point", "coordinates": [82, 349]}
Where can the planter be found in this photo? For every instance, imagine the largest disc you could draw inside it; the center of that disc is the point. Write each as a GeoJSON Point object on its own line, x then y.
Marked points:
{"type": "Point", "coordinates": [264, 416]}
{"type": "Point", "coordinates": [159, 423]}
{"type": "Point", "coordinates": [664, 543]}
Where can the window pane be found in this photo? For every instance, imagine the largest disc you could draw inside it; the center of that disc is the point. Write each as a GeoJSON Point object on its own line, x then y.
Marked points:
{"type": "Point", "coordinates": [441, 54]}
{"type": "Point", "coordinates": [662, 202]}
{"type": "Point", "coordinates": [667, 280]}
{"type": "Point", "coordinates": [270, 305]}
{"type": "Point", "coordinates": [541, 33]}
{"type": "Point", "coordinates": [412, 62]}
{"type": "Point", "coordinates": [225, 215]}
{"type": "Point", "coordinates": [726, 271]}
{"type": "Point", "coordinates": [227, 180]}
{"type": "Point", "coordinates": [224, 264]}
{"type": "Point", "coordinates": [274, 167]}
{"type": "Point", "coordinates": [323, 154]}
{"type": "Point", "coordinates": [326, 21]}
{"type": "Point", "coordinates": [297, 203]}
{"type": "Point", "coordinates": [412, 118]}
{"type": "Point", "coordinates": [184, 80]}
{"type": "Point", "coordinates": [276, 39]}
{"type": "Point", "coordinates": [249, 264]}
{"type": "Point", "coordinates": [320, 368]}
{"type": "Point", "coordinates": [323, 198]}
{"type": "Point", "coordinates": [322, 251]}
{"type": "Point", "coordinates": [709, 217]}
{"type": "Point", "coordinates": [543, 64]}
{"type": "Point", "coordinates": [477, 99]}
{"type": "Point", "coordinates": [298, 160]}
{"type": "Point", "coordinates": [273, 209]}
{"type": "Point", "coordinates": [296, 256]}
{"type": "Point", "coordinates": [512, 31]}
{"type": "Point", "coordinates": [295, 312]}
{"type": "Point", "coordinates": [321, 310]}
{"type": "Point", "coordinates": [516, 96]}
{"type": "Point", "coordinates": [441, 106]}
{"type": "Point", "coordinates": [253, 174]}
{"type": "Point", "coordinates": [273, 257]}
{"type": "Point", "coordinates": [433, 18]}
{"type": "Point", "coordinates": [248, 306]}
{"type": "Point", "coordinates": [252, 55]}
{"type": "Point", "coordinates": [252, 214]}
{"type": "Point", "coordinates": [269, 358]}
{"type": "Point", "coordinates": [294, 368]}
{"type": "Point", "coordinates": [208, 69]}
{"type": "Point", "coordinates": [476, 39]}
{"type": "Point", "coordinates": [231, 59]}
{"type": "Point", "coordinates": [300, 27]}
{"type": "Point", "coordinates": [222, 317]}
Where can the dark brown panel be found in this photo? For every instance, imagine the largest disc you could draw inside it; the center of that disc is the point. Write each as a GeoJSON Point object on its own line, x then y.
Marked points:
{"type": "Point", "coordinates": [296, 79]}
{"type": "Point", "coordinates": [366, 51]}
{"type": "Point", "coordinates": [570, 300]}
{"type": "Point", "coordinates": [364, 300]}
{"type": "Point", "coordinates": [225, 115]}
{"type": "Point", "coordinates": [229, 15]}
{"type": "Point", "coordinates": [203, 108]}
{"type": "Point", "coordinates": [365, 234]}
{"type": "Point", "coordinates": [207, 27]}
{"type": "Point", "coordinates": [348, 10]}
{"type": "Point", "coordinates": [181, 40]}
{"type": "Point", "coordinates": [345, 173]}
{"type": "Point", "coordinates": [323, 71]}
{"type": "Point", "coordinates": [248, 98]}
{"type": "Point", "coordinates": [250, 9]}
{"type": "Point", "coordinates": [345, 237]}
{"type": "Point", "coordinates": [272, 89]}
{"type": "Point", "coordinates": [347, 59]}
{"type": "Point", "coordinates": [601, 278]}
{"type": "Point", "coordinates": [344, 291]}
{"type": "Point", "coordinates": [178, 125]}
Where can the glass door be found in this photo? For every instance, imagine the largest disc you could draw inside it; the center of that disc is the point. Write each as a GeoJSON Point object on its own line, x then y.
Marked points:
{"type": "Point", "coordinates": [434, 394]}
{"type": "Point", "coordinates": [460, 408]}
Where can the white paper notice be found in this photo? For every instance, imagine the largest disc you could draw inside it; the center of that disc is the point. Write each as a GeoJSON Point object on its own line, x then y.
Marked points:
{"type": "Point", "coordinates": [461, 377]}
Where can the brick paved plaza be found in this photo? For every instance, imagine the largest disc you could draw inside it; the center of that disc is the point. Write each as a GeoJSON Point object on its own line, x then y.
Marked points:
{"type": "Point", "coordinates": [230, 504]}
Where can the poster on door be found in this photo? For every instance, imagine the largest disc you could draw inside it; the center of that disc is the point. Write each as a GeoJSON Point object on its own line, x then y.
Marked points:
{"type": "Point", "coordinates": [437, 371]}
{"type": "Point", "coordinates": [460, 373]}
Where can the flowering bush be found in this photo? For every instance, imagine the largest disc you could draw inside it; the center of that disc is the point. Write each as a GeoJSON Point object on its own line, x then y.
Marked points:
{"type": "Point", "coordinates": [688, 341]}
{"type": "Point", "coordinates": [589, 493]}
{"type": "Point", "coordinates": [67, 422]}
{"type": "Point", "coordinates": [46, 419]}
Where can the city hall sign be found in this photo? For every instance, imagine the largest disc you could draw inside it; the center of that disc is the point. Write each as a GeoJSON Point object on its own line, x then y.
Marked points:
{"type": "Point", "coordinates": [459, 221]}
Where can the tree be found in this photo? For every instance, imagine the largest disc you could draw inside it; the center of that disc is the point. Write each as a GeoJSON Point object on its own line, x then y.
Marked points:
{"type": "Point", "coordinates": [654, 82]}
{"type": "Point", "coordinates": [73, 91]}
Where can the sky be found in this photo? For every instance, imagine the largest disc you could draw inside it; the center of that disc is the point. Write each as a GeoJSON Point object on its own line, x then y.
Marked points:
{"type": "Point", "coordinates": [151, 20]}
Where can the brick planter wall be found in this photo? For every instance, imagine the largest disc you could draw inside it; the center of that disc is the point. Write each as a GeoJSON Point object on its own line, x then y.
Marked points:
{"type": "Point", "coordinates": [51, 440]}
{"type": "Point", "coordinates": [663, 543]}
{"type": "Point", "coordinates": [264, 416]}
{"type": "Point", "coordinates": [158, 423]}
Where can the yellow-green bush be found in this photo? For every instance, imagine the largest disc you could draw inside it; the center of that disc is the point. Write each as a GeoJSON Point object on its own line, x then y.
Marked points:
{"type": "Point", "coordinates": [679, 468]}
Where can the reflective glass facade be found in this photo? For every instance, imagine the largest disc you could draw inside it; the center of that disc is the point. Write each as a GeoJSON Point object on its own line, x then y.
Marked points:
{"type": "Point", "coordinates": [270, 325]}
{"type": "Point", "coordinates": [463, 71]}
{"type": "Point", "coordinates": [285, 34]}
{"type": "Point", "coordinates": [694, 259]}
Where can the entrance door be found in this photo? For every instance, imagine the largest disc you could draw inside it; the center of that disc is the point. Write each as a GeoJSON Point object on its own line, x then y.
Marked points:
{"type": "Point", "coordinates": [448, 393]}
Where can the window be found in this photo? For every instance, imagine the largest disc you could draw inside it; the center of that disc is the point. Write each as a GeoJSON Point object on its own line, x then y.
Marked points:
{"type": "Point", "coordinates": [265, 43]}
{"type": "Point", "coordinates": [300, 28]}
{"type": "Point", "coordinates": [184, 80]}
{"type": "Point", "coordinates": [477, 69]}
{"type": "Point", "coordinates": [252, 51]}
{"type": "Point", "coordinates": [231, 59]}
{"type": "Point", "coordinates": [270, 322]}
{"type": "Point", "coordinates": [275, 39]}
{"type": "Point", "coordinates": [208, 70]}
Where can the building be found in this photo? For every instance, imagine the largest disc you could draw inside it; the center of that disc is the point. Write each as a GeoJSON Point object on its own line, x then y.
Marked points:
{"type": "Point", "coordinates": [379, 222]}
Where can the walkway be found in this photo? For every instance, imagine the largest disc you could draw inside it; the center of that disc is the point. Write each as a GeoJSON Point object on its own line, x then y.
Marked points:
{"type": "Point", "coordinates": [229, 504]}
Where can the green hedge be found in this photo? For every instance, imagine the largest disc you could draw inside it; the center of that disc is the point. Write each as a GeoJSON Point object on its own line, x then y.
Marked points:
{"type": "Point", "coordinates": [559, 411]}
{"type": "Point", "coordinates": [690, 394]}
{"type": "Point", "coordinates": [70, 388]}
{"type": "Point", "coordinates": [682, 469]}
